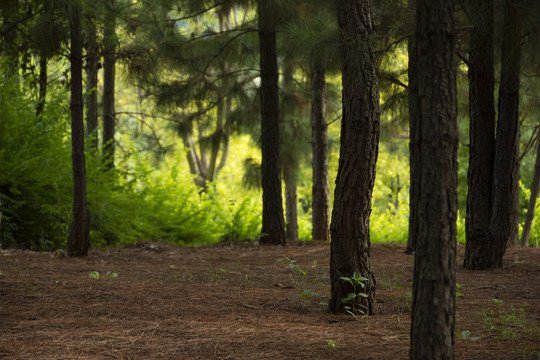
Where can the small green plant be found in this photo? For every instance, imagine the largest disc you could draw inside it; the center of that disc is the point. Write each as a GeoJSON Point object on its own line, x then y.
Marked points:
{"type": "Point", "coordinates": [508, 325]}
{"type": "Point", "coordinates": [108, 275]}
{"type": "Point", "coordinates": [466, 334]}
{"type": "Point", "coordinates": [458, 294]}
{"type": "Point", "coordinates": [297, 273]}
{"type": "Point", "coordinates": [307, 297]}
{"type": "Point", "coordinates": [292, 265]}
{"type": "Point", "coordinates": [332, 344]}
{"type": "Point", "coordinates": [356, 282]}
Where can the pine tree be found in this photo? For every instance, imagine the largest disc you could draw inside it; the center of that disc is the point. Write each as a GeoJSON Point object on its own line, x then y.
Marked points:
{"type": "Point", "coordinates": [273, 224]}
{"type": "Point", "coordinates": [433, 304]}
{"type": "Point", "coordinates": [109, 74]}
{"type": "Point", "coordinates": [79, 235]}
{"type": "Point", "coordinates": [350, 246]}
{"type": "Point", "coordinates": [482, 132]}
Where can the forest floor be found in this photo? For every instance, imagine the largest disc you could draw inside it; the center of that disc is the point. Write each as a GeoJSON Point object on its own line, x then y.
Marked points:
{"type": "Point", "coordinates": [236, 301]}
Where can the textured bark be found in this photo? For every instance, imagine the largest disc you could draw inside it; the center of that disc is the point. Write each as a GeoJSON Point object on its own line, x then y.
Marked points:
{"type": "Point", "coordinates": [109, 70]}
{"type": "Point", "coordinates": [79, 235]}
{"type": "Point", "coordinates": [532, 201]}
{"type": "Point", "coordinates": [482, 134]}
{"type": "Point", "coordinates": [273, 224]}
{"type": "Point", "coordinates": [91, 78]}
{"type": "Point", "coordinates": [434, 284]}
{"type": "Point", "coordinates": [291, 203]}
{"type": "Point", "coordinates": [414, 152]}
{"type": "Point", "coordinates": [503, 227]}
{"type": "Point", "coordinates": [350, 245]}
{"type": "Point", "coordinates": [42, 85]}
{"type": "Point", "coordinates": [319, 142]}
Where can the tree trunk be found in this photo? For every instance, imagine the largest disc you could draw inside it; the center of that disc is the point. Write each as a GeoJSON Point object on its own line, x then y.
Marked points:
{"type": "Point", "coordinates": [504, 223]}
{"type": "Point", "coordinates": [42, 85]}
{"type": "Point", "coordinates": [532, 201]}
{"type": "Point", "coordinates": [291, 203]}
{"type": "Point", "coordinates": [273, 224]}
{"type": "Point", "coordinates": [79, 235]}
{"type": "Point", "coordinates": [434, 283]}
{"type": "Point", "coordinates": [91, 78]}
{"type": "Point", "coordinates": [350, 245]}
{"type": "Point", "coordinates": [109, 65]}
{"type": "Point", "coordinates": [414, 151]}
{"type": "Point", "coordinates": [482, 134]}
{"type": "Point", "coordinates": [320, 190]}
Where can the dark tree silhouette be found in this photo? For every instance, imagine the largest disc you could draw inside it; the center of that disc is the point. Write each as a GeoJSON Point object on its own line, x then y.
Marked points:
{"type": "Point", "coordinates": [109, 70]}
{"type": "Point", "coordinates": [79, 235]}
{"type": "Point", "coordinates": [91, 75]}
{"type": "Point", "coordinates": [350, 246]}
{"type": "Point", "coordinates": [273, 224]}
{"type": "Point", "coordinates": [320, 190]}
{"type": "Point", "coordinates": [503, 228]}
{"type": "Point", "coordinates": [482, 133]}
{"type": "Point", "coordinates": [434, 283]}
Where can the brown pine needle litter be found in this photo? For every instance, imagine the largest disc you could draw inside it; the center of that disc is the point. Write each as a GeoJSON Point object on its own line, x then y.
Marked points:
{"type": "Point", "coordinates": [237, 301]}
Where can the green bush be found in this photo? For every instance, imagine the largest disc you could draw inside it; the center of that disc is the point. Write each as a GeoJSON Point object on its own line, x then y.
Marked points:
{"type": "Point", "coordinates": [35, 171]}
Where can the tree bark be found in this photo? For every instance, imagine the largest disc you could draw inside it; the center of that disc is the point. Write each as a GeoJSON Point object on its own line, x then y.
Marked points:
{"type": "Point", "coordinates": [350, 245]}
{"type": "Point", "coordinates": [434, 284]}
{"type": "Point", "coordinates": [91, 78]}
{"type": "Point", "coordinates": [291, 203]}
{"type": "Point", "coordinates": [504, 222]}
{"type": "Point", "coordinates": [320, 209]}
{"type": "Point", "coordinates": [42, 85]}
{"type": "Point", "coordinates": [273, 224]}
{"type": "Point", "coordinates": [109, 69]}
{"type": "Point", "coordinates": [414, 151]}
{"type": "Point", "coordinates": [482, 134]}
{"type": "Point", "coordinates": [532, 201]}
{"type": "Point", "coordinates": [79, 235]}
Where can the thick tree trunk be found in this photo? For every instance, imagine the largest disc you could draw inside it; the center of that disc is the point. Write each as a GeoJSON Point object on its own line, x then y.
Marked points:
{"type": "Point", "coordinates": [42, 86]}
{"type": "Point", "coordinates": [414, 151]}
{"type": "Point", "coordinates": [79, 235]}
{"type": "Point", "coordinates": [532, 201]}
{"type": "Point", "coordinates": [109, 69]}
{"type": "Point", "coordinates": [319, 142]}
{"type": "Point", "coordinates": [504, 223]}
{"type": "Point", "coordinates": [482, 134]}
{"type": "Point", "coordinates": [273, 224]}
{"type": "Point", "coordinates": [350, 245]}
{"type": "Point", "coordinates": [434, 283]}
{"type": "Point", "coordinates": [91, 79]}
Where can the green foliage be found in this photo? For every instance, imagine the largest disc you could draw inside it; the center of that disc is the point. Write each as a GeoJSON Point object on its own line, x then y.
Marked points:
{"type": "Point", "coordinates": [108, 275]}
{"type": "Point", "coordinates": [508, 324]}
{"type": "Point", "coordinates": [132, 203]}
{"type": "Point", "coordinates": [389, 221]}
{"type": "Point", "coordinates": [357, 283]}
{"type": "Point", "coordinates": [332, 344]}
{"type": "Point", "coordinates": [35, 184]}
{"type": "Point", "coordinates": [291, 263]}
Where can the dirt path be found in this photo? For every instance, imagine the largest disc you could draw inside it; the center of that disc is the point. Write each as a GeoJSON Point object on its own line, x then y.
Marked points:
{"type": "Point", "coordinates": [239, 302]}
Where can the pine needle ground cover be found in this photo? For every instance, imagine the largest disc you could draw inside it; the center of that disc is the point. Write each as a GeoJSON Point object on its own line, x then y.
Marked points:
{"type": "Point", "coordinates": [240, 301]}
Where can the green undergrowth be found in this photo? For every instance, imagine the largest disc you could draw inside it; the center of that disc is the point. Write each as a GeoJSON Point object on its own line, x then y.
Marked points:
{"type": "Point", "coordinates": [147, 200]}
